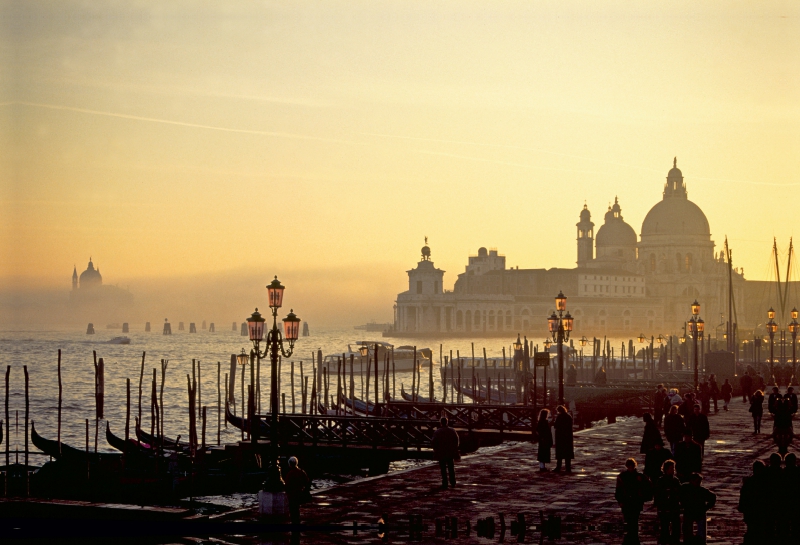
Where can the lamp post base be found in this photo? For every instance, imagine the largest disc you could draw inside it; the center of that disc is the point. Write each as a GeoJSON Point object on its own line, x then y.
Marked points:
{"type": "Point", "coordinates": [273, 504]}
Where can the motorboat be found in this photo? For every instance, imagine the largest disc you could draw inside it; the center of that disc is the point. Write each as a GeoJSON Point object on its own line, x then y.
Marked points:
{"type": "Point", "coordinates": [401, 358]}
{"type": "Point", "coordinates": [120, 340]}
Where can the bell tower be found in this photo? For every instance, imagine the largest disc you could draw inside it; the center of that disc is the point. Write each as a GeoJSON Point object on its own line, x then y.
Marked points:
{"type": "Point", "coordinates": [585, 238]}
{"type": "Point", "coordinates": [74, 277]}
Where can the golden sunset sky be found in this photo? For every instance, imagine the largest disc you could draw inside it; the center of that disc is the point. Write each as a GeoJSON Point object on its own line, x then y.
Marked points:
{"type": "Point", "coordinates": [321, 141]}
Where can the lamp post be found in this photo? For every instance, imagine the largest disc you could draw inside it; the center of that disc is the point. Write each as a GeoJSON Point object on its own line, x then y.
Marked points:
{"type": "Point", "coordinates": [274, 485]}
{"type": "Point", "coordinates": [793, 328]}
{"type": "Point", "coordinates": [772, 328]}
{"type": "Point", "coordinates": [560, 326]}
{"type": "Point", "coordinates": [696, 327]}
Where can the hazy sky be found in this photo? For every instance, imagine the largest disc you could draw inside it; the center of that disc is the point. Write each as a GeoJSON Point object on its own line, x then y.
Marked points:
{"type": "Point", "coordinates": [324, 140]}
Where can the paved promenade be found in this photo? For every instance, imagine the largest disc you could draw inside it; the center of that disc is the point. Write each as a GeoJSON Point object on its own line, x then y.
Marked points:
{"type": "Point", "coordinates": [508, 482]}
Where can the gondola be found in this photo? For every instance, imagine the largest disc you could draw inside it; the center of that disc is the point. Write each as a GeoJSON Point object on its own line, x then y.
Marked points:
{"type": "Point", "coordinates": [481, 396]}
{"type": "Point", "coordinates": [51, 448]}
{"type": "Point", "coordinates": [243, 424]}
{"type": "Point", "coordinates": [357, 406]}
{"type": "Point", "coordinates": [408, 397]}
{"type": "Point", "coordinates": [162, 442]}
{"type": "Point", "coordinates": [119, 443]}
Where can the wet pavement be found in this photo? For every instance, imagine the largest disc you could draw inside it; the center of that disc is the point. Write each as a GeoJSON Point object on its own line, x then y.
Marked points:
{"type": "Point", "coordinates": [508, 482]}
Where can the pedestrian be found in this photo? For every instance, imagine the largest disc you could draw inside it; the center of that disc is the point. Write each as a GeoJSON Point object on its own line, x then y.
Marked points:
{"type": "Point", "coordinates": [753, 499]}
{"type": "Point", "coordinates": [632, 491]}
{"type": "Point", "coordinates": [704, 397]}
{"type": "Point", "coordinates": [687, 406]}
{"type": "Point", "coordinates": [545, 439]}
{"type": "Point", "coordinates": [775, 522]}
{"type": "Point", "coordinates": [757, 409]}
{"type": "Point", "coordinates": [445, 450]}
{"type": "Point", "coordinates": [674, 397]}
{"type": "Point", "coordinates": [651, 434]}
{"type": "Point", "coordinates": [601, 377]}
{"type": "Point", "coordinates": [564, 441]}
{"type": "Point", "coordinates": [782, 431]}
{"type": "Point", "coordinates": [673, 428]}
{"type": "Point", "coordinates": [696, 501]}
{"type": "Point", "coordinates": [746, 383]}
{"type": "Point", "coordinates": [727, 392]}
{"type": "Point", "coordinates": [667, 502]}
{"type": "Point", "coordinates": [654, 460]}
{"type": "Point", "coordinates": [688, 457]}
{"type": "Point", "coordinates": [701, 430]}
{"type": "Point", "coordinates": [792, 397]}
{"type": "Point", "coordinates": [713, 390]}
{"type": "Point", "coordinates": [791, 481]}
{"type": "Point", "coordinates": [298, 491]}
{"type": "Point", "coordinates": [773, 397]}
{"type": "Point", "coordinates": [572, 376]}
{"type": "Point", "coordinates": [658, 404]}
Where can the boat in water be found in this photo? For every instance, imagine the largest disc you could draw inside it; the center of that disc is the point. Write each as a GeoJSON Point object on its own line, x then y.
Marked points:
{"type": "Point", "coordinates": [120, 340]}
{"type": "Point", "coordinates": [400, 358]}
{"type": "Point", "coordinates": [372, 325]}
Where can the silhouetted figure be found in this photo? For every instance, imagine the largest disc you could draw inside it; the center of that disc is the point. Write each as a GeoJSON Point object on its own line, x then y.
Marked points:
{"type": "Point", "coordinates": [667, 502]}
{"type": "Point", "coordinates": [753, 500]}
{"type": "Point", "coordinates": [792, 397]}
{"type": "Point", "coordinates": [704, 397]}
{"type": "Point", "coordinates": [775, 520]}
{"type": "Point", "coordinates": [297, 489]}
{"type": "Point", "coordinates": [651, 435]}
{"type": "Point", "coordinates": [791, 481]}
{"type": "Point", "coordinates": [545, 439]}
{"type": "Point", "coordinates": [564, 441]}
{"type": "Point", "coordinates": [445, 450]}
{"type": "Point", "coordinates": [600, 377]}
{"type": "Point", "coordinates": [673, 427]}
{"type": "Point", "coordinates": [686, 408]}
{"type": "Point", "coordinates": [746, 383]}
{"type": "Point", "coordinates": [713, 391]}
{"type": "Point", "coordinates": [773, 398]}
{"type": "Point", "coordinates": [696, 500]}
{"type": "Point", "coordinates": [632, 491]}
{"type": "Point", "coordinates": [757, 409]}
{"type": "Point", "coordinates": [758, 382]}
{"type": "Point", "coordinates": [782, 431]}
{"type": "Point", "coordinates": [654, 459]}
{"type": "Point", "coordinates": [572, 376]}
{"type": "Point", "coordinates": [701, 430]}
{"type": "Point", "coordinates": [674, 398]}
{"type": "Point", "coordinates": [659, 400]}
{"type": "Point", "coordinates": [727, 393]}
{"type": "Point", "coordinates": [688, 457]}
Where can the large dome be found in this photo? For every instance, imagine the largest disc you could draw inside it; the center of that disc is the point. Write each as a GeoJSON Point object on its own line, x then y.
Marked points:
{"type": "Point", "coordinates": [615, 232]}
{"type": "Point", "coordinates": [91, 276]}
{"type": "Point", "coordinates": [675, 217]}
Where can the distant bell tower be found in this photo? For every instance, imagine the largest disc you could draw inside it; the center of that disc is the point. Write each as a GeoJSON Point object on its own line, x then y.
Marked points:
{"type": "Point", "coordinates": [425, 279]}
{"type": "Point", "coordinates": [585, 238]}
{"type": "Point", "coordinates": [74, 277]}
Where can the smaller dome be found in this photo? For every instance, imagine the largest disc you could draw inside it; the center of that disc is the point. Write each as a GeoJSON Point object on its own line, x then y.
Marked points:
{"type": "Point", "coordinates": [615, 232]}
{"type": "Point", "coordinates": [91, 276]}
{"type": "Point", "coordinates": [585, 214]}
{"type": "Point", "coordinates": [675, 173]}
{"type": "Point", "coordinates": [482, 252]}
{"type": "Point", "coordinates": [426, 252]}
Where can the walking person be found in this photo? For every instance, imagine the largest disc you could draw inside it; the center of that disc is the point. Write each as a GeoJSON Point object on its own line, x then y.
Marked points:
{"type": "Point", "coordinates": [445, 450]}
{"type": "Point", "coordinates": [667, 502]}
{"type": "Point", "coordinates": [746, 384]}
{"type": "Point", "coordinates": [696, 501]}
{"type": "Point", "coordinates": [654, 461]}
{"type": "Point", "coordinates": [757, 409]}
{"type": "Point", "coordinates": [659, 400]}
{"type": "Point", "coordinates": [773, 398]}
{"type": "Point", "coordinates": [298, 491]}
{"type": "Point", "coordinates": [651, 435]}
{"type": "Point", "coordinates": [632, 491]}
{"type": "Point", "coordinates": [673, 428]}
{"type": "Point", "coordinates": [791, 482]}
{"type": "Point", "coordinates": [688, 457]}
{"type": "Point", "coordinates": [564, 440]}
{"type": "Point", "coordinates": [545, 439]}
{"type": "Point", "coordinates": [713, 390]}
{"type": "Point", "coordinates": [792, 397]}
{"type": "Point", "coordinates": [753, 499]}
{"type": "Point", "coordinates": [701, 430]}
{"type": "Point", "coordinates": [727, 393]}
{"type": "Point", "coordinates": [782, 431]}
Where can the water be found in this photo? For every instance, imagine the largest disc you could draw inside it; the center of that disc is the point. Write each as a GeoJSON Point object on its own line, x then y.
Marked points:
{"type": "Point", "coordinates": [39, 349]}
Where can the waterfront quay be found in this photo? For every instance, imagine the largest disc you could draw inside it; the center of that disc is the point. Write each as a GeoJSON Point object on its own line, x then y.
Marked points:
{"type": "Point", "coordinates": [507, 483]}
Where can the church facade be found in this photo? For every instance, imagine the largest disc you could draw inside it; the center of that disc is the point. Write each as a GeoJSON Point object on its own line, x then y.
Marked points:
{"type": "Point", "coordinates": [623, 285]}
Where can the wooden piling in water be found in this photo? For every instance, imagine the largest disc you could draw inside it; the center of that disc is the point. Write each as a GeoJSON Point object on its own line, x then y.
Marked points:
{"type": "Point", "coordinates": [59, 401]}
{"type": "Point", "coordinates": [377, 393]}
{"type": "Point", "coordinates": [338, 384]}
{"type": "Point", "coordinates": [293, 411]}
{"type": "Point", "coordinates": [313, 408]}
{"type": "Point", "coordinates": [204, 428]}
{"type": "Point", "coordinates": [303, 389]}
{"type": "Point", "coordinates": [87, 450]}
{"type": "Point", "coordinates": [305, 395]}
{"type": "Point", "coordinates": [141, 378]}
{"type": "Point", "coordinates": [8, 422]}
{"type": "Point", "coordinates": [283, 402]}
{"type": "Point", "coordinates": [127, 412]}
{"type": "Point", "coordinates": [394, 376]}
{"type": "Point", "coordinates": [227, 398]}
{"type": "Point", "coordinates": [486, 376]}
{"type": "Point", "coordinates": [27, 411]}
{"type": "Point", "coordinates": [199, 389]}
{"type": "Point", "coordinates": [162, 415]}
{"type": "Point", "coordinates": [219, 402]}
{"type": "Point", "coordinates": [352, 382]}
{"type": "Point", "coordinates": [414, 376]}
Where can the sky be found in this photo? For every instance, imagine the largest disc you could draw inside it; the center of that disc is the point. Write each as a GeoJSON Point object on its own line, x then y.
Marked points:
{"type": "Point", "coordinates": [217, 144]}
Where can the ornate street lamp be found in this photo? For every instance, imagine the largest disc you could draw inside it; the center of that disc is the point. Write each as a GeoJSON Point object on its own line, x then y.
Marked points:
{"type": "Point", "coordinates": [696, 328]}
{"type": "Point", "coordinates": [547, 344]}
{"type": "Point", "coordinates": [242, 360]}
{"type": "Point", "coordinates": [793, 329]}
{"type": "Point", "coordinates": [560, 326]}
{"type": "Point", "coordinates": [772, 328]}
{"type": "Point", "coordinates": [274, 484]}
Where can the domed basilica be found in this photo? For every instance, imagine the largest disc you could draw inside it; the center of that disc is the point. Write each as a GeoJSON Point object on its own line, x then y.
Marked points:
{"type": "Point", "coordinates": [622, 285]}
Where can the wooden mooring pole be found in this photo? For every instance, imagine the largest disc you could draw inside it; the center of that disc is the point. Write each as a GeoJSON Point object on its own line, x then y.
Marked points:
{"type": "Point", "coordinates": [141, 379]}
{"type": "Point", "coordinates": [219, 402]}
{"type": "Point", "coordinates": [27, 410]}
{"type": "Point", "coordinates": [59, 401]}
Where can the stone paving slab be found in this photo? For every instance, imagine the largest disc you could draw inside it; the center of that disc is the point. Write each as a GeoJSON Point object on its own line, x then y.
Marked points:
{"type": "Point", "coordinates": [508, 482]}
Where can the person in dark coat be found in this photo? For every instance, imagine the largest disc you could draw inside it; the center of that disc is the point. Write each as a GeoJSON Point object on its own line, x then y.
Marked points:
{"type": "Point", "coordinates": [686, 408]}
{"type": "Point", "coordinates": [688, 457]}
{"type": "Point", "coordinates": [572, 376]}
{"type": "Point", "coordinates": [727, 392]}
{"type": "Point", "coordinates": [782, 431]}
{"type": "Point", "coordinates": [297, 488]}
{"type": "Point", "coordinates": [753, 499]}
{"type": "Point", "coordinates": [632, 491]}
{"type": "Point", "coordinates": [658, 404]}
{"type": "Point", "coordinates": [673, 428]}
{"type": "Point", "coordinates": [667, 502]}
{"type": "Point", "coordinates": [601, 377]}
{"type": "Point", "coordinates": [696, 501]}
{"type": "Point", "coordinates": [445, 450]}
{"type": "Point", "coordinates": [654, 459]}
{"type": "Point", "coordinates": [746, 384]}
{"type": "Point", "coordinates": [757, 409]}
{"type": "Point", "coordinates": [564, 440]}
{"type": "Point", "coordinates": [651, 435]}
{"type": "Point", "coordinates": [713, 390]}
{"type": "Point", "coordinates": [791, 482]}
{"type": "Point", "coordinates": [545, 439]}
{"type": "Point", "coordinates": [792, 397]}
{"type": "Point", "coordinates": [773, 397]}
{"type": "Point", "coordinates": [701, 430]}
{"type": "Point", "coordinates": [774, 521]}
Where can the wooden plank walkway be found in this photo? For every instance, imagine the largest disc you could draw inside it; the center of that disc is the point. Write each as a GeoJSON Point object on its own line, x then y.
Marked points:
{"type": "Point", "coordinates": [508, 482]}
